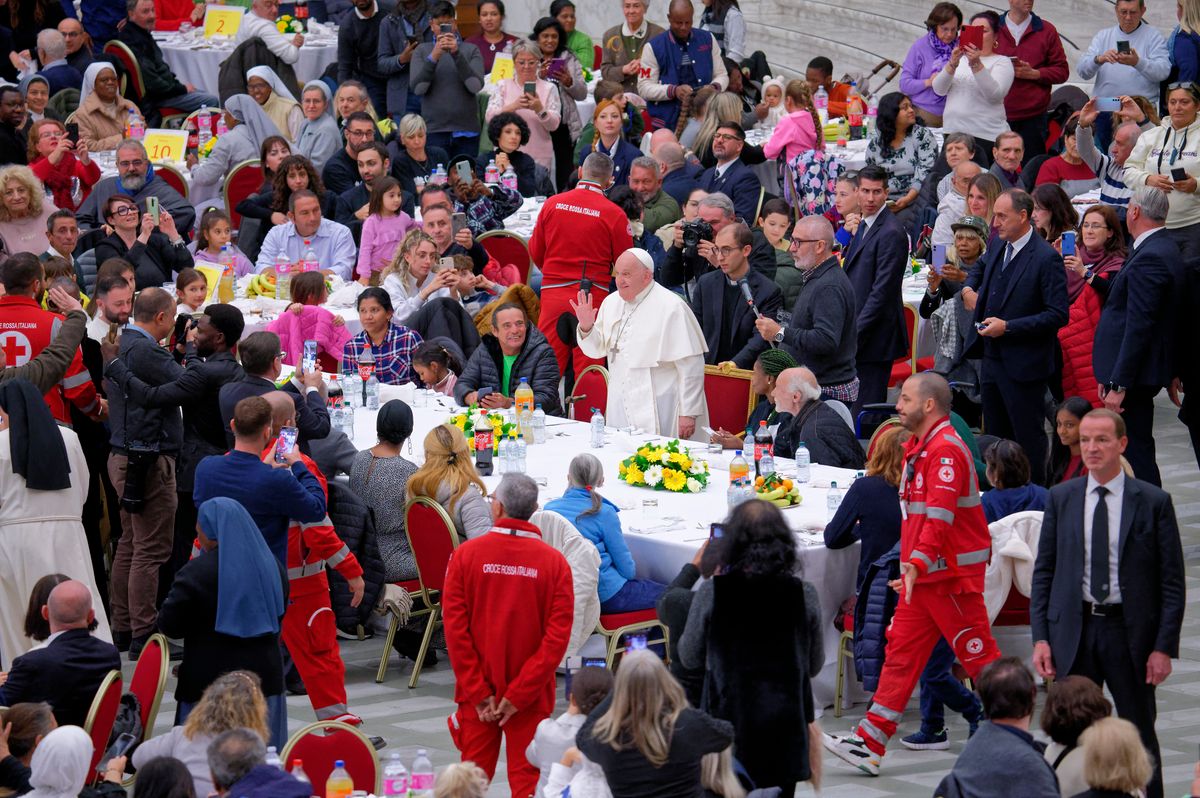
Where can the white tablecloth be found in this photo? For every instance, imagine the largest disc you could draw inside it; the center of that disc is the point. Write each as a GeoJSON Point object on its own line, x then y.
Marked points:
{"type": "Point", "coordinates": [661, 552]}
{"type": "Point", "coordinates": [199, 62]}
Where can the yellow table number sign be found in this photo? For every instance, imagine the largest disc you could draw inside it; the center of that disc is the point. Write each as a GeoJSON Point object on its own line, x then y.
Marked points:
{"type": "Point", "coordinates": [222, 20]}
{"type": "Point", "coordinates": [502, 67]}
{"type": "Point", "coordinates": [166, 145]}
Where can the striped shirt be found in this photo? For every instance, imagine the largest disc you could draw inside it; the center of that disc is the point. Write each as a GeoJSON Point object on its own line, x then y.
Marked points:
{"type": "Point", "coordinates": [1113, 190]}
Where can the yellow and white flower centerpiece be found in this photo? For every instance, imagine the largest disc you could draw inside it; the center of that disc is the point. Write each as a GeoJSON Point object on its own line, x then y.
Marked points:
{"type": "Point", "coordinates": [667, 467]}
{"type": "Point", "coordinates": [466, 421]}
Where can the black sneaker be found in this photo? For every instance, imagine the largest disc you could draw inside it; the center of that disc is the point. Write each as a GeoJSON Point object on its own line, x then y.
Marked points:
{"type": "Point", "coordinates": [378, 742]}
{"type": "Point", "coordinates": [136, 645]}
{"type": "Point", "coordinates": [295, 685]}
{"type": "Point", "coordinates": [122, 640]}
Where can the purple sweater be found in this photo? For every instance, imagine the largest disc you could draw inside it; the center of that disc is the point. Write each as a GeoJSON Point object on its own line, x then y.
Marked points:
{"type": "Point", "coordinates": [922, 63]}
{"type": "Point", "coordinates": [380, 239]}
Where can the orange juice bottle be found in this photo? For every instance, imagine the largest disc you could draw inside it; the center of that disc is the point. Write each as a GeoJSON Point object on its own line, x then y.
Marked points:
{"type": "Point", "coordinates": [339, 784]}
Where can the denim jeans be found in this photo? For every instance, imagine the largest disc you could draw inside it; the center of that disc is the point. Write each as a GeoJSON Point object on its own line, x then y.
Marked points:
{"type": "Point", "coordinates": [939, 687]}
{"type": "Point", "coordinates": [636, 594]}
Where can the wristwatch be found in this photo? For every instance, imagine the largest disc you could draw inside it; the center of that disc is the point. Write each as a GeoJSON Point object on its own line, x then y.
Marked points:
{"type": "Point", "coordinates": [779, 335]}
{"type": "Point", "coordinates": [1114, 388]}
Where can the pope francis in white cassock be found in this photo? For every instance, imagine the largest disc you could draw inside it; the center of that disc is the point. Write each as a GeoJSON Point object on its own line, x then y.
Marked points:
{"type": "Point", "coordinates": [655, 350]}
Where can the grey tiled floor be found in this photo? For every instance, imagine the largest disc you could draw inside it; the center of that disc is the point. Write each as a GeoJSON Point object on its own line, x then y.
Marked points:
{"type": "Point", "coordinates": [412, 719]}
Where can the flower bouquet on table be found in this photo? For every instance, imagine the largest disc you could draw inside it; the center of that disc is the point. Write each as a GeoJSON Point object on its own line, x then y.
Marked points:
{"type": "Point", "coordinates": [289, 24]}
{"type": "Point", "coordinates": [664, 467]}
{"type": "Point", "coordinates": [466, 421]}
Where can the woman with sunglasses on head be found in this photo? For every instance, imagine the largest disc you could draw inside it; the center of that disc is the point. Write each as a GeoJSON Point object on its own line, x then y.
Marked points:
{"type": "Point", "coordinates": [1168, 158]}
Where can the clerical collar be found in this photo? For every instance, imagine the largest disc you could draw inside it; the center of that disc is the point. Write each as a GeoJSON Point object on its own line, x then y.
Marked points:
{"type": "Point", "coordinates": [590, 186]}
{"type": "Point", "coordinates": [374, 11]}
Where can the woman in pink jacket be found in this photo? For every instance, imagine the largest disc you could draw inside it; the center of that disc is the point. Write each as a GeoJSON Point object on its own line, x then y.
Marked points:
{"type": "Point", "coordinates": [800, 130]}
{"type": "Point", "coordinates": [304, 320]}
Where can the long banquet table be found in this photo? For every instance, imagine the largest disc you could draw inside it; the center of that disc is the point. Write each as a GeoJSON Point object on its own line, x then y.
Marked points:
{"type": "Point", "coordinates": [664, 538]}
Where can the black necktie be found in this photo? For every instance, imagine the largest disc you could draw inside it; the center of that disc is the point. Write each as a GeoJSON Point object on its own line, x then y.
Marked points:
{"type": "Point", "coordinates": [1008, 256]}
{"type": "Point", "coordinates": [1100, 572]}
{"type": "Point", "coordinates": [858, 237]}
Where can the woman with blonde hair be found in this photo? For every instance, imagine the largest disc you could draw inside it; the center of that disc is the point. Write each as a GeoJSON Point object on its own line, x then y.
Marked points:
{"type": "Point", "coordinates": [646, 737]}
{"type": "Point", "coordinates": [461, 780]}
{"type": "Point", "coordinates": [410, 280]}
{"type": "Point", "coordinates": [448, 476]}
{"type": "Point", "coordinates": [982, 192]}
{"type": "Point", "coordinates": [24, 210]}
{"type": "Point", "coordinates": [1115, 761]}
{"type": "Point", "coordinates": [233, 701]}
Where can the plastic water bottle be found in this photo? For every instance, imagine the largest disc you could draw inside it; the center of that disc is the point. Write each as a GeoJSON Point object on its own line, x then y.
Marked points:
{"type": "Point", "coordinates": [872, 115]}
{"type": "Point", "coordinates": [222, 128]}
{"type": "Point", "coordinates": [272, 758]}
{"type": "Point", "coordinates": [339, 784]}
{"type": "Point", "coordinates": [137, 128]}
{"type": "Point", "coordinates": [438, 175]}
{"type": "Point", "coordinates": [421, 784]}
{"type": "Point", "coordinates": [766, 463]}
{"type": "Point", "coordinates": [395, 777]}
{"type": "Point", "coordinates": [308, 261]}
{"type": "Point", "coordinates": [803, 464]}
{"type": "Point", "coordinates": [372, 393]}
{"type": "Point", "coordinates": [833, 499]}
{"type": "Point", "coordinates": [348, 419]}
{"type": "Point", "coordinates": [298, 771]}
{"type": "Point", "coordinates": [739, 469]}
{"type": "Point", "coordinates": [539, 425]}
{"type": "Point", "coordinates": [283, 278]}
{"type": "Point", "coordinates": [821, 103]}
{"type": "Point", "coordinates": [491, 175]}
{"type": "Point", "coordinates": [520, 450]}
{"type": "Point", "coordinates": [502, 455]}
{"type": "Point", "coordinates": [204, 130]}
{"type": "Point", "coordinates": [509, 178]}
{"type": "Point", "coordinates": [597, 428]}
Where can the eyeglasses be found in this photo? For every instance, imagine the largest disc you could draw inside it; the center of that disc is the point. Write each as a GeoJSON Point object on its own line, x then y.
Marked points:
{"type": "Point", "coordinates": [725, 252]}
{"type": "Point", "coordinates": [72, 34]}
{"type": "Point", "coordinates": [131, 164]}
{"type": "Point", "coordinates": [1096, 226]}
{"type": "Point", "coordinates": [50, 134]}
{"type": "Point", "coordinates": [797, 241]}
{"type": "Point", "coordinates": [124, 210]}
{"type": "Point", "coordinates": [725, 137]}
{"type": "Point", "coordinates": [359, 134]}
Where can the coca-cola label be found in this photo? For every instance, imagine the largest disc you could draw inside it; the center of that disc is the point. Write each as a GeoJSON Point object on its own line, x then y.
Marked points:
{"type": "Point", "coordinates": [761, 449]}
{"type": "Point", "coordinates": [301, 11]}
{"type": "Point", "coordinates": [483, 440]}
{"type": "Point", "coordinates": [365, 370]}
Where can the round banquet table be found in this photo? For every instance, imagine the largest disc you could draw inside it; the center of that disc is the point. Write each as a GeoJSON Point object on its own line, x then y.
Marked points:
{"type": "Point", "coordinates": [198, 62]}
{"type": "Point", "coordinates": [665, 538]}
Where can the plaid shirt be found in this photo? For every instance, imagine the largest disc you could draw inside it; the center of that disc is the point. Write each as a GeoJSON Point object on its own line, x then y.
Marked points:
{"type": "Point", "coordinates": [488, 212]}
{"type": "Point", "coordinates": [393, 358]}
{"type": "Point", "coordinates": [846, 392]}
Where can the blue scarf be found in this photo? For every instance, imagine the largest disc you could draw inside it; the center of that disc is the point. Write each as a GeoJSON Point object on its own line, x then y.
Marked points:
{"type": "Point", "coordinates": [149, 176]}
{"type": "Point", "coordinates": [249, 595]}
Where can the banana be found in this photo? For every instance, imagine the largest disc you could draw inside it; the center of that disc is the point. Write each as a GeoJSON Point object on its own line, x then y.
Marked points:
{"type": "Point", "coordinates": [777, 493]}
{"type": "Point", "coordinates": [781, 503]}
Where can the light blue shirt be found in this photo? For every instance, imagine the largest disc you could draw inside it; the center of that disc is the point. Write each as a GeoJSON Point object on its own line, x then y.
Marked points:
{"type": "Point", "coordinates": [333, 245]}
{"type": "Point", "coordinates": [1140, 80]}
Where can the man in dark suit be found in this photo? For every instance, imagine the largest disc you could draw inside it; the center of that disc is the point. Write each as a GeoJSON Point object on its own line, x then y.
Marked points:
{"type": "Point", "coordinates": [720, 305]}
{"type": "Point", "coordinates": [1108, 587]}
{"type": "Point", "coordinates": [67, 672]}
{"type": "Point", "coordinates": [679, 176]}
{"type": "Point", "coordinates": [1018, 328]}
{"type": "Point", "coordinates": [262, 360]}
{"type": "Point", "coordinates": [52, 55]}
{"type": "Point", "coordinates": [876, 261]}
{"type": "Point", "coordinates": [730, 176]}
{"type": "Point", "coordinates": [1132, 356]}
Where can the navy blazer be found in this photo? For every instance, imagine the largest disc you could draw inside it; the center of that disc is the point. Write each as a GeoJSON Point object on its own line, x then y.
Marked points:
{"type": "Point", "coordinates": [312, 416]}
{"type": "Point", "coordinates": [739, 183]}
{"type": "Point", "coordinates": [707, 301]}
{"type": "Point", "coordinates": [66, 674]}
{"type": "Point", "coordinates": [1149, 570]}
{"type": "Point", "coordinates": [1034, 314]}
{"type": "Point", "coordinates": [681, 182]}
{"type": "Point", "coordinates": [1134, 338]}
{"type": "Point", "coordinates": [63, 76]}
{"type": "Point", "coordinates": [876, 266]}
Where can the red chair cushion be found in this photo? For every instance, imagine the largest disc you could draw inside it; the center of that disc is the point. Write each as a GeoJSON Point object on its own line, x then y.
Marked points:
{"type": "Point", "coordinates": [102, 725]}
{"type": "Point", "coordinates": [240, 185]}
{"type": "Point", "coordinates": [319, 751]}
{"type": "Point", "coordinates": [848, 621]}
{"type": "Point", "coordinates": [508, 250]}
{"type": "Point", "coordinates": [728, 401]}
{"type": "Point", "coordinates": [1015, 611]}
{"type": "Point", "coordinates": [431, 543]}
{"type": "Point", "coordinates": [411, 585]}
{"type": "Point", "coordinates": [144, 683]}
{"type": "Point", "coordinates": [925, 364]}
{"type": "Point", "coordinates": [615, 620]}
{"type": "Point", "coordinates": [594, 392]}
{"type": "Point", "coordinates": [901, 371]}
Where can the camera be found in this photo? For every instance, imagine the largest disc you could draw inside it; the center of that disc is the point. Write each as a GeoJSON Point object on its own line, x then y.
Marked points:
{"type": "Point", "coordinates": [140, 461]}
{"type": "Point", "coordinates": [694, 232]}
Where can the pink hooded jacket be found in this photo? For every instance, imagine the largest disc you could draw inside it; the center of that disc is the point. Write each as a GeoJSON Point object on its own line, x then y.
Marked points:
{"type": "Point", "coordinates": [313, 323]}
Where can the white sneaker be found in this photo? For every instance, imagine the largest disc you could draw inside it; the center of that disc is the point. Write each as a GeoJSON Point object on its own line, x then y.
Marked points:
{"type": "Point", "coordinates": [852, 749]}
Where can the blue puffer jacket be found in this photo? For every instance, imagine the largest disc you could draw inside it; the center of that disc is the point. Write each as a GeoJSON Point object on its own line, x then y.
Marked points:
{"type": "Point", "coordinates": [603, 529]}
{"type": "Point", "coordinates": [872, 614]}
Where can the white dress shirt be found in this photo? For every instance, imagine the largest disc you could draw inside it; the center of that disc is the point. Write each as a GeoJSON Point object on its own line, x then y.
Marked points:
{"type": "Point", "coordinates": [280, 44]}
{"type": "Point", "coordinates": [1116, 492]}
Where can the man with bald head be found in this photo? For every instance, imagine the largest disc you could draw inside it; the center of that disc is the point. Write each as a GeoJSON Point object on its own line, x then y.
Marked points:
{"type": "Point", "coordinates": [944, 551]}
{"type": "Point", "coordinates": [145, 442]}
{"type": "Point", "coordinates": [68, 670]}
{"type": "Point", "coordinates": [676, 63]}
{"type": "Point", "coordinates": [678, 174]}
{"type": "Point", "coordinates": [79, 44]}
{"type": "Point", "coordinates": [655, 350]}
{"type": "Point", "coordinates": [804, 417]}
{"type": "Point", "coordinates": [821, 332]}
{"type": "Point", "coordinates": [309, 631]}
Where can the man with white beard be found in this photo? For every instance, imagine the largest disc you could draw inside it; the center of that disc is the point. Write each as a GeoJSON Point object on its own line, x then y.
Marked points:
{"type": "Point", "coordinates": [655, 350]}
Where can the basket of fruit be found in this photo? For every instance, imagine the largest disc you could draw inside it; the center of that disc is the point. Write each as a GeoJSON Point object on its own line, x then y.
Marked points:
{"type": "Point", "coordinates": [783, 493]}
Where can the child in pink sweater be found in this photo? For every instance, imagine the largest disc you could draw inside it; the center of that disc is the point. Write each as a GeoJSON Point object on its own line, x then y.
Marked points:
{"type": "Point", "coordinates": [383, 230]}
{"type": "Point", "coordinates": [800, 130]}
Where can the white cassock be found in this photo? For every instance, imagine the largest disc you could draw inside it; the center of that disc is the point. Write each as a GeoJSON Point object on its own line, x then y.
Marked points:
{"type": "Point", "coordinates": [41, 532]}
{"type": "Point", "coordinates": [655, 350]}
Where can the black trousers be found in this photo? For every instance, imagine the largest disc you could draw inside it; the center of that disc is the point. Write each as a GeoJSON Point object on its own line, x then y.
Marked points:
{"type": "Point", "coordinates": [1033, 132]}
{"type": "Point", "coordinates": [1104, 657]}
{"type": "Point", "coordinates": [873, 379]}
{"type": "Point", "coordinates": [1138, 413]}
{"type": "Point", "coordinates": [1016, 409]}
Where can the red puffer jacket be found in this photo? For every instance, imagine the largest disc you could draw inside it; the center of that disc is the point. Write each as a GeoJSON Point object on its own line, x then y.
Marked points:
{"type": "Point", "coordinates": [1076, 339]}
